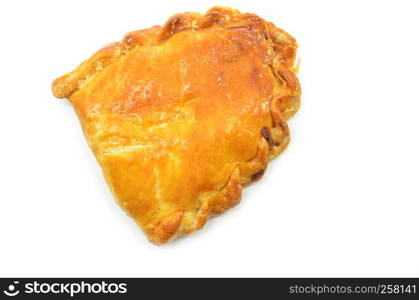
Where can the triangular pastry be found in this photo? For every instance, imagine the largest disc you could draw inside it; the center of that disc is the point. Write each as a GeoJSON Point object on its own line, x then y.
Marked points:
{"type": "Point", "coordinates": [181, 116]}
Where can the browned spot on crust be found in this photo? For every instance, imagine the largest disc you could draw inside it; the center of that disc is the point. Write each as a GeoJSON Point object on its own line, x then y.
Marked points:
{"type": "Point", "coordinates": [265, 34]}
{"type": "Point", "coordinates": [258, 175]}
{"type": "Point", "coordinates": [266, 133]}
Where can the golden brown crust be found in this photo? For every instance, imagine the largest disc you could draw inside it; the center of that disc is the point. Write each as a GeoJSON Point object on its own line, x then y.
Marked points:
{"type": "Point", "coordinates": [181, 116]}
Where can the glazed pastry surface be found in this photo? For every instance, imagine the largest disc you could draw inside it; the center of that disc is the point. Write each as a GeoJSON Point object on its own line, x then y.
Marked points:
{"type": "Point", "coordinates": [181, 116]}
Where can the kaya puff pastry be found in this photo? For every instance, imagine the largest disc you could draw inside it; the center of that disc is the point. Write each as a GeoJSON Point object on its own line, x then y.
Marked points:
{"type": "Point", "coordinates": [181, 116]}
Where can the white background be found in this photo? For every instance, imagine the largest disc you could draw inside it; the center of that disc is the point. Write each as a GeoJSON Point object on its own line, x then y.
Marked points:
{"type": "Point", "coordinates": [343, 200]}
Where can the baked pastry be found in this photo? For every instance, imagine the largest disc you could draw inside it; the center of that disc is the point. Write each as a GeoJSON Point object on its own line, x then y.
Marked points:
{"type": "Point", "coordinates": [181, 116]}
